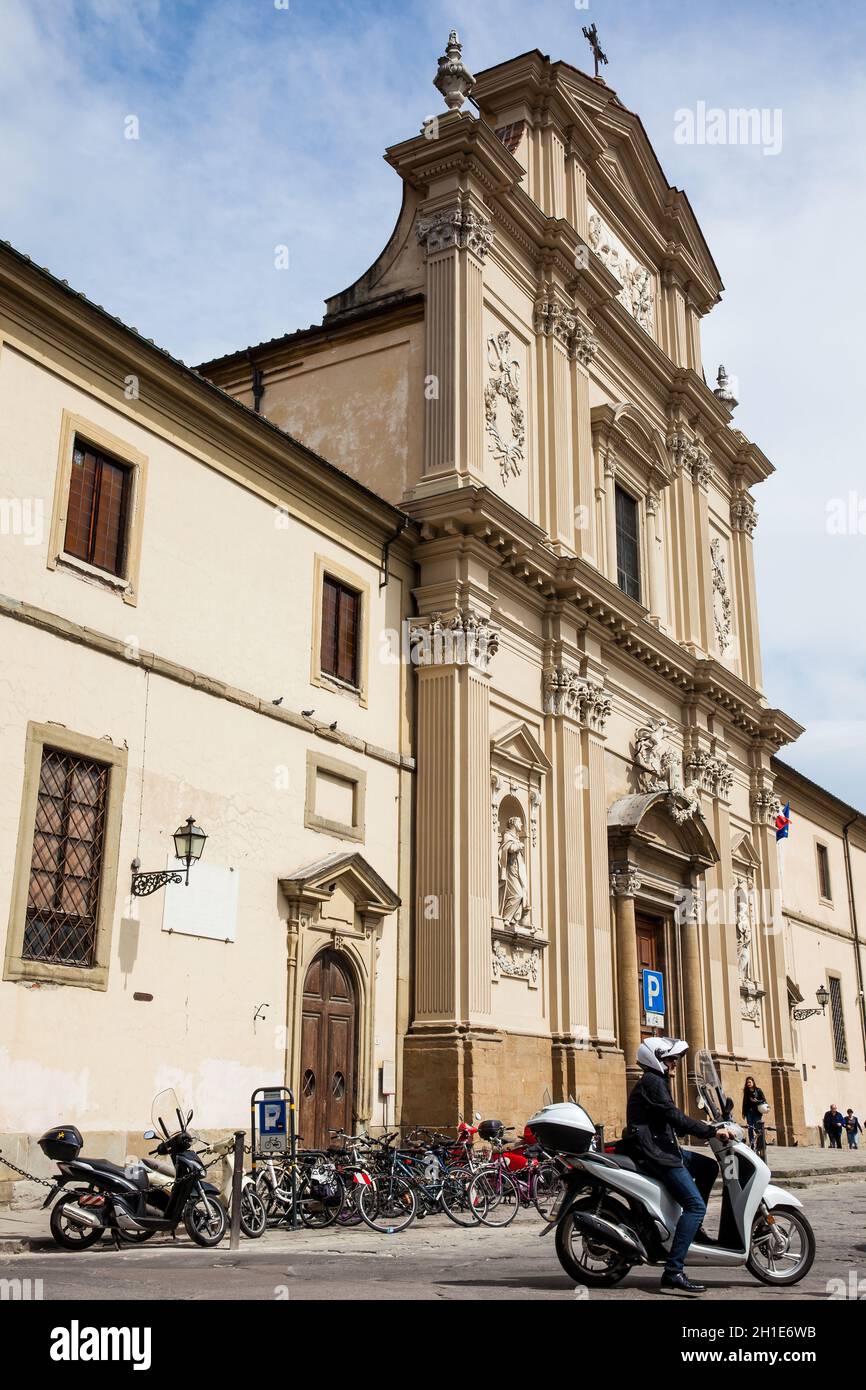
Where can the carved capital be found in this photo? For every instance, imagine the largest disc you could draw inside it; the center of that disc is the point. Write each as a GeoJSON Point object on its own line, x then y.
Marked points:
{"type": "Point", "coordinates": [564, 692]}
{"type": "Point", "coordinates": [624, 882]}
{"type": "Point", "coordinates": [711, 774]}
{"type": "Point", "coordinates": [458, 226]}
{"type": "Point", "coordinates": [461, 638]}
{"type": "Point", "coordinates": [765, 805]}
{"type": "Point", "coordinates": [743, 514]}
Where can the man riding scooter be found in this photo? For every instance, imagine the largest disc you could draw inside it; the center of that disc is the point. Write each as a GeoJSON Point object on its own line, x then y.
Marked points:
{"type": "Point", "coordinates": [653, 1123]}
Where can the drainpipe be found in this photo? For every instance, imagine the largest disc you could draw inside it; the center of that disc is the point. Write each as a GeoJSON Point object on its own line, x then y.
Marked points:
{"type": "Point", "coordinates": [385, 565]}
{"type": "Point", "coordinates": [858, 964]}
{"type": "Point", "coordinates": [258, 386]}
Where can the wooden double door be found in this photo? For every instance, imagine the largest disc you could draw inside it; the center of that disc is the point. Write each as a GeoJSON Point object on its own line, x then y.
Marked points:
{"type": "Point", "coordinates": [651, 956]}
{"type": "Point", "coordinates": [329, 1042]}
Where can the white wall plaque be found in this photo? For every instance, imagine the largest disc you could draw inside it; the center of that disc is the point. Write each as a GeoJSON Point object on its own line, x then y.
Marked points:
{"type": "Point", "coordinates": [208, 907]}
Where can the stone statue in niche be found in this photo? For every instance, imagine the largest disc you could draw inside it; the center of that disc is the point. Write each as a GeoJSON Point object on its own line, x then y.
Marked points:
{"type": "Point", "coordinates": [513, 880]}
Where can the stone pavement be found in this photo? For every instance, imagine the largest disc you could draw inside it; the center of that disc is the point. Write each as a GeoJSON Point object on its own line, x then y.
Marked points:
{"type": "Point", "coordinates": [26, 1228]}
{"type": "Point", "coordinates": [432, 1260]}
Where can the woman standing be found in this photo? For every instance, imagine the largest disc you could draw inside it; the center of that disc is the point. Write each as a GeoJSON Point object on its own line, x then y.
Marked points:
{"type": "Point", "coordinates": [753, 1099]}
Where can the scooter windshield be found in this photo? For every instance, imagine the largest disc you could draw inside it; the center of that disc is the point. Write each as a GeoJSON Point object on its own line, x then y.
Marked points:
{"type": "Point", "coordinates": [709, 1085]}
{"type": "Point", "coordinates": [167, 1115]}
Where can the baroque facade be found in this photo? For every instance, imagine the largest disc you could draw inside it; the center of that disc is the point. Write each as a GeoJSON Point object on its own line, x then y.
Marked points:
{"type": "Point", "coordinates": [472, 714]}
{"type": "Point", "coordinates": [520, 369]}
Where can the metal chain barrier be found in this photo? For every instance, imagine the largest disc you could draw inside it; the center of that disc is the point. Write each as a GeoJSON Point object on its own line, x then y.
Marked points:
{"type": "Point", "coordinates": [23, 1171]}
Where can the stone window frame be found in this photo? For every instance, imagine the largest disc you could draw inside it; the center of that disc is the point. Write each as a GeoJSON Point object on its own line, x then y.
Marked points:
{"type": "Point", "coordinates": [323, 568]}
{"type": "Point", "coordinates": [322, 762]}
{"type": "Point", "coordinates": [636, 486]}
{"type": "Point", "coordinates": [823, 845]}
{"type": "Point", "coordinates": [15, 966]}
{"type": "Point", "coordinates": [76, 427]}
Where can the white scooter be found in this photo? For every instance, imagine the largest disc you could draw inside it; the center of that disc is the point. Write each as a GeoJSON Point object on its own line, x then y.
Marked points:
{"type": "Point", "coordinates": [614, 1216]}
{"type": "Point", "coordinates": [254, 1216]}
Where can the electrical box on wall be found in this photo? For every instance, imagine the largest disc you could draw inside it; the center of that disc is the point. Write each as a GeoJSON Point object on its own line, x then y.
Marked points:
{"type": "Point", "coordinates": [388, 1078]}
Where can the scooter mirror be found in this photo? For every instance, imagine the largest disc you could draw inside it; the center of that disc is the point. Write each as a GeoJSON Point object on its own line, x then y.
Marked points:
{"type": "Point", "coordinates": [702, 1104]}
{"type": "Point", "coordinates": [478, 1114]}
{"type": "Point", "coordinates": [189, 1117]}
{"type": "Point", "coordinates": [150, 1134]}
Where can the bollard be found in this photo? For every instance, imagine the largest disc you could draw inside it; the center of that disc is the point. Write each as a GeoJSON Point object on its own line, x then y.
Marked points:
{"type": "Point", "coordinates": [237, 1189]}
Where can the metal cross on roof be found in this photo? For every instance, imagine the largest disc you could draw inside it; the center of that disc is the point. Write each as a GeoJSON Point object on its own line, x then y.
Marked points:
{"type": "Point", "coordinates": [591, 36]}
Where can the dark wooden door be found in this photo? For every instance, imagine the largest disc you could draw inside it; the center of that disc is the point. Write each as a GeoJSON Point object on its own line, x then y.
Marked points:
{"type": "Point", "coordinates": [328, 1050]}
{"type": "Point", "coordinates": [649, 957]}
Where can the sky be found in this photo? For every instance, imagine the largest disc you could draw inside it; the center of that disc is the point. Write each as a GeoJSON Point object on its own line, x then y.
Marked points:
{"type": "Point", "coordinates": [262, 123]}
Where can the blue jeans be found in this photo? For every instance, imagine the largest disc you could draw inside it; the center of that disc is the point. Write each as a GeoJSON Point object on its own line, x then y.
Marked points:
{"type": "Point", "coordinates": [681, 1184]}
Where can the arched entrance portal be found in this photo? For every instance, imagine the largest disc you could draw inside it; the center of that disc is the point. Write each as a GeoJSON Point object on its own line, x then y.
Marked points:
{"type": "Point", "coordinates": [329, 1043]}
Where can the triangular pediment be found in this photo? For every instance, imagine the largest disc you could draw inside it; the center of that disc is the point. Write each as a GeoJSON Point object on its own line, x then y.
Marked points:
{"type": "Point", "coordinates": [517, 744]}
{"type": "Point", "coordinates": [743, 851]}
{"type": "Point", "coordinates": [357, 878]}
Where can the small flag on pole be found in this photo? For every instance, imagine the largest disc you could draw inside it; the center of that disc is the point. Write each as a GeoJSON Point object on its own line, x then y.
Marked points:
{"type": "Point", "coordinates": [783, 820]}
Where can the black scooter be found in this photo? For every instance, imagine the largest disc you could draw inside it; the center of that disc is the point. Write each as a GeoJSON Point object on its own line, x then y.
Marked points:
{"type": "Point", "coordinates": [121, 1200]}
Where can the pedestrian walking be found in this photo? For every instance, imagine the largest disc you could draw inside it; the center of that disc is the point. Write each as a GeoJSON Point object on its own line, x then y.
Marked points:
{"type": "Point", "coordinates": [755, 1108]}
{"type": "Point", "coordinates": [834, 1123]}
{"type": "Point", "coordinates": [853, 1127]}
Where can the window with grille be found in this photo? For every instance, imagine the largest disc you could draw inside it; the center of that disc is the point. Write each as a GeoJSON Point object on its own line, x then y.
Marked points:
{"type": "Point", "coordinates": [341, 627]}
{"type": "Point", "coordinates": [824, 884]}
{"type": "Point", "coordinates": [96, 518]}
{"type": "Point", "coordinates": [627, 548]}
{"type": "Point", "coordinates": [837, 1018]}
{"type": "Point", "coordinates": [62, 904]}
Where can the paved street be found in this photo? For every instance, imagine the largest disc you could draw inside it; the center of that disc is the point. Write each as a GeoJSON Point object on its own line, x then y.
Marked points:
{"type": "Point", "coordinates": [434, 1259]}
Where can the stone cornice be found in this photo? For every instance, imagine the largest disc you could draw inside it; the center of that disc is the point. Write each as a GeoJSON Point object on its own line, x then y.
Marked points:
{"type": "Point", "coordinates": [521, 549]}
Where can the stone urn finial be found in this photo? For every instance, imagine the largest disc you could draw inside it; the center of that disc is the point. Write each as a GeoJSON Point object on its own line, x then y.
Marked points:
{"type": "Point", "coordinates": [453, 78]}
{"type": "Point", "coordinates": [723, 390]}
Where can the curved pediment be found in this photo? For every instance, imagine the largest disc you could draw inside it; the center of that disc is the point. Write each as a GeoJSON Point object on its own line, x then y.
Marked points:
{"type": "Point", "coordinates": [628, 434]}
{"type": "Point", "coordinates": [664, 817]}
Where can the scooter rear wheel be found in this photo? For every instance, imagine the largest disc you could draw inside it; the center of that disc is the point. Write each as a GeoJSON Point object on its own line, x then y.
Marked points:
{"type": "Point", "coordinates": [782, 1251]}
{"type": "Point", "coordinates": [582, 1259]}
{"type": "Point", "coordinates": [67, 1233]}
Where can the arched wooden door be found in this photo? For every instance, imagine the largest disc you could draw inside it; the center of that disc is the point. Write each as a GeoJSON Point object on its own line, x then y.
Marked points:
{"type": "Point", "coordinates": [329, 1031]}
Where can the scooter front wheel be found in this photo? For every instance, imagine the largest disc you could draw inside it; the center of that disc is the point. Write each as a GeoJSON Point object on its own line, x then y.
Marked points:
{"type": "Point", "coordinates": [783, 1247]}
{"type": "Point", "coordinates": [205, 1221]}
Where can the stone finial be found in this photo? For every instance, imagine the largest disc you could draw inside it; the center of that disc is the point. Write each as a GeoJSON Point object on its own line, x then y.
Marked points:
{"type": "Point", "coordinates": [453, 78]}
{"type": "Point", "coordinates": [723, 390]}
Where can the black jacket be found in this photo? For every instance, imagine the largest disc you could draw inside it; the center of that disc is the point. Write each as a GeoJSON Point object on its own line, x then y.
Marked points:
{"type": "Point", "coordinates": [751, 1104]}
{"type": "Point", "coordinates": [652, 1105]}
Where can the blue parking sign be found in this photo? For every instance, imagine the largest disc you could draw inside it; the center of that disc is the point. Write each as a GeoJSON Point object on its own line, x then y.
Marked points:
{"type": "Point", "coordinates": [654, 997]}
{"type": "Point", "coordinates": [272, 1124]}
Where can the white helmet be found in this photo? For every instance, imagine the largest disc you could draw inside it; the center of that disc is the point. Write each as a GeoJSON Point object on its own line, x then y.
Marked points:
{"type": "Point", "coordinates": [654, 1052]}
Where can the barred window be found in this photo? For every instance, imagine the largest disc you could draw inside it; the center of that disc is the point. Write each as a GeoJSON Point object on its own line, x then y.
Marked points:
{"type": "Point", "coordinates": [68, 840]}
{"type": "Point", "coordinates": [627, 550]}
{"type": "Point", "coordinates": [96, 521]}
{"type": "Point", "coordinates": [837, 1017]}
{"type": "Point", "coordinates": [341, 628]}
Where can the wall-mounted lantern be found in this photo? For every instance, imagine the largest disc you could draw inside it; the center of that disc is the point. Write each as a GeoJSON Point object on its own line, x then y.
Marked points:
{"type": "Point", "coordinates": [189, 840]}
{"type": "Point", "coordinates": [822, 994]}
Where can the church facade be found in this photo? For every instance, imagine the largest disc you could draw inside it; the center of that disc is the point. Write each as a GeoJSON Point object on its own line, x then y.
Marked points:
{"type": "Point", "coordinates": [521, 370]}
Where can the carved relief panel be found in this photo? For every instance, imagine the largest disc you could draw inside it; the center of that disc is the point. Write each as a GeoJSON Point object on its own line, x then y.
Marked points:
{"type": "Point", "coordinates": [506, 388]}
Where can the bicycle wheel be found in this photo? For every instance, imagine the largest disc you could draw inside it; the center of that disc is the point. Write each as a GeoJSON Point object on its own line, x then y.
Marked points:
{"type": "Point", "coordinates": [388, 1205]}
{"type": "Point", "coordinates": [494, 1194]}
{"type": "Point", "coordinates": [321, 1208]}
{"type": "Point", "coordinates": [547, 1189]}
{"type": "Point", "coordinates": [254, 1216]}
{"type": "Point", "coordinates": [456, 1199]}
